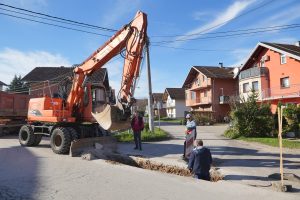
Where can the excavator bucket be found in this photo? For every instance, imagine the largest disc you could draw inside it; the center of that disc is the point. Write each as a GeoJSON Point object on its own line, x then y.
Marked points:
{"type": "Point", "coordinates": [111, 118]}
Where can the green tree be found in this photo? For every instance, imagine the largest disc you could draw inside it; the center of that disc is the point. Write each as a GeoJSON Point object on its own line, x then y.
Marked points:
{"type": "Point", "coordinates": [18, 86]}
{"type": "Point", "coordinates": [251, 119]}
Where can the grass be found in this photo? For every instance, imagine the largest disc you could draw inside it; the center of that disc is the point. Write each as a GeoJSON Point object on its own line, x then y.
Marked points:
{"type": "Point", "coordinates": [292, 144]}
{"type": "Point", "coordinates": [166, 119]}
{"type": "Point", "coordinates": [157, 135]}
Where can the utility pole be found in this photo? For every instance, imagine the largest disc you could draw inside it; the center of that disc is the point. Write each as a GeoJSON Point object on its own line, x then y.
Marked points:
{"type": "Point", "coordinates": [150, 107]}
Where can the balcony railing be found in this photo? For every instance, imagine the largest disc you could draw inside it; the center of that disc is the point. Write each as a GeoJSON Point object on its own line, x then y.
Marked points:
{"type": "Point", "coordinates": [198, 101]}
{"type": "Point", "coordinates": [201, 85]}
{"type": "Point", "coordinates": [281, 92]}
{"type": "Point", "coordinates": [253, 72]}
{"type": "Point", "coordinates": [224, 99]}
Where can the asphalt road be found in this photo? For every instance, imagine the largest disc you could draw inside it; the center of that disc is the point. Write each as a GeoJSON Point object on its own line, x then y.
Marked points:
{"type": "Point", "coordinates": [37, 173]}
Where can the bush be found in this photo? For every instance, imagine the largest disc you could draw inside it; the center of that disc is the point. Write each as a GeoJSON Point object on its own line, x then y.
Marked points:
{"type": "Point", "coordinates": [202, 119]}
{"type": "Point", "coordinates": [250, 119]}
{"type": "Point", "coordinates": [231, 133]}
{"type": "Point", "coordinates": [290, 114]}
{"type": "Point", "coordinates": [146, 127]}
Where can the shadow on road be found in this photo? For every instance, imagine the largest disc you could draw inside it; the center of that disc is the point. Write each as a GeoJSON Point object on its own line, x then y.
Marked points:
{"type": "Point", "coordinates": [18, 173]}
{"type": "Point", "coordinates": [237, 151]}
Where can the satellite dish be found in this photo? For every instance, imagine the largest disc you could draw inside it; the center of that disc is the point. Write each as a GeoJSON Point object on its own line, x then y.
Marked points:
{"type": "Point", "coordinates": [236, 71]}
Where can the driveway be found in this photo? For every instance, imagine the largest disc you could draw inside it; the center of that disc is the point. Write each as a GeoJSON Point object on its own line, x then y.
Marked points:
{"type": "Point", "coordinates": [239, 161]}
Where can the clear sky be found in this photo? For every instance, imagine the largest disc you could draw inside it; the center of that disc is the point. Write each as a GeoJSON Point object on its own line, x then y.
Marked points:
{"type": "Point", "coordinates": [195, 32]}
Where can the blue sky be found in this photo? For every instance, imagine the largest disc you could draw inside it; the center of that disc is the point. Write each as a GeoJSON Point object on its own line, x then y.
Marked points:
{"type": "Point", "coordinates": [25, 45]}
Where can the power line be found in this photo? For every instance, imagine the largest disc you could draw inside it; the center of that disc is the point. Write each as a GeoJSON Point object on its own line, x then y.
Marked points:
{"type": "Point", "coordinates": [63, 19]}
{"type": "Point", "coordinates": [49, 19]}
{"type": "Point", "coordinates": [191, 49]}
{"type": "Point", "coordinates": [50, 24]}
{"type": "Point", "coordinates": [229, 35]}
{"type": "Point", "coordinates": [215, 26]}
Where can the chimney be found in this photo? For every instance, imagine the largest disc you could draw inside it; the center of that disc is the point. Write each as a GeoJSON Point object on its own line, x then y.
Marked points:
{"type": "Point", "coordinates": [297, 43]}
{"type": "Point", "coordinates": [221, 64]}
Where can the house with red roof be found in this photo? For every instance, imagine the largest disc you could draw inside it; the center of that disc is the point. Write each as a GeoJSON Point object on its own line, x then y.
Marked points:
{"type": "Point", "coordinates": [273, 71]}
{"type": "Point", "coordinates": [208, 90]}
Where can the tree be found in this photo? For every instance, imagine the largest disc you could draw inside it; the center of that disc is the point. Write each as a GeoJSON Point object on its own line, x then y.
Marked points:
{"type": "Point", "coordinates": [251, 119]}
{"type": "Point", "coordinates": [18, 86]}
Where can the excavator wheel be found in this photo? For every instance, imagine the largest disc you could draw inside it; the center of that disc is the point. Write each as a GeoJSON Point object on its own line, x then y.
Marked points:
{"type": "Point", "coordinates": [37, 139]}
{"type": "Point", "coordinates": [74, 134]}
{"type": "Point", "coordinates": [60, 140]}
{"type": "Point", "coordinates": [26, 136]}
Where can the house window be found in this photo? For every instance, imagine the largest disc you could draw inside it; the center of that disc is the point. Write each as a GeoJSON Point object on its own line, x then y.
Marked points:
{"type": "Point", "coordinates": [282, 59]}
{"type": "Point", "coordinates": [285, 82]}
{"type": "Point", "coordinates": [262, 63]}
{"type": "Point", "coordinates": [193, 95]}
{"type": "Point", "coordinates": [205, 93]}
{"type": "Point", "coordinates": [245, 87]}
{"type": "Point", "coordinates": [255, 85]}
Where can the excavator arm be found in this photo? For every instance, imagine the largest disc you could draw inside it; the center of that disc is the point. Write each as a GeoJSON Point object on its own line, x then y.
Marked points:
{"type": "Point", "coordinates": [131, 39]}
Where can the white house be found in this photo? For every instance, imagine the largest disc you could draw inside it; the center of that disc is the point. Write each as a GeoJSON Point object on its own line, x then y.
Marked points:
{"type": "Point", "coordinates": [2, 85]}
{"type": "Point", "coordinates": [174, 99]}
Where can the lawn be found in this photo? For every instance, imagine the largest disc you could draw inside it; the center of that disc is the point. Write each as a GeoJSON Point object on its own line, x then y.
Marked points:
{"type": "Point", "coordinates": [172, 120]}
{"type": "Point", "coordinates": [158, 135]}
{"type": "Point", "coordinates": [291, 144]}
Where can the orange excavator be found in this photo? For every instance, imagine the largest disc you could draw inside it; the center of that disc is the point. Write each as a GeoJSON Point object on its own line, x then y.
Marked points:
{"type": "Point", "coordinates": [79, 116]}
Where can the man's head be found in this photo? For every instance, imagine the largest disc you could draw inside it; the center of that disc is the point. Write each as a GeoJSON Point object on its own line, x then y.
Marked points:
{"type": "Point", "coordinates": [188, 116]}
{"type": "Point", "coordinates": [198, 143]}
{"type": "Point", "coordinates": [136, 113]}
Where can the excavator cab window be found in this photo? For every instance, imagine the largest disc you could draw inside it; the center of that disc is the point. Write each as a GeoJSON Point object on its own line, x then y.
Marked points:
{"type": "Point", "coordinates": [98, 99]}
{"type": "Point", "coordinates": [86, 96]}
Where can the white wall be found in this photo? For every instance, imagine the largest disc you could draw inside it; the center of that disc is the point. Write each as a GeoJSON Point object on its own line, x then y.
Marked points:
{"type": "Point", "coordinates": [180, 108]}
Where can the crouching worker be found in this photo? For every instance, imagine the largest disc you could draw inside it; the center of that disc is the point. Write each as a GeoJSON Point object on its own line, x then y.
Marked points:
{"type": "Point", "coordinates": [200, 161]}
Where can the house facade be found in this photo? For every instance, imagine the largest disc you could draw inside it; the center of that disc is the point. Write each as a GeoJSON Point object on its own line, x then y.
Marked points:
{"type": "Point", "coordinates": [272, 70]}
{"type": "Point", "coordinates": [208, 90]}
{"type": "Point", "coordinates": [174, 100]}
{"type": "Point", "coordinates": [2, 85]}
{"type": "Point", "coordinates": [159, 106]}
{"type": "Point", "coordinates": [57, 82]}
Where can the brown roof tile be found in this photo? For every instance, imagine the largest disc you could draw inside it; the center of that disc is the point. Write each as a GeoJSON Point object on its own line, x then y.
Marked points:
{"type": "Point", "coordinates": [157, 96]}
{"type": "Point", "coordinates": [292, 49]}
{"type": "Point", "coordinates": [57, 74]}
{"type": "Point", "coordinates": [176, 93]}
{"type": "Point", "coordinates": [1, 83]}
{"type": "Point", "coordinates": [209, 72]}
{"type": "Point", "coordinates": [215, 72]}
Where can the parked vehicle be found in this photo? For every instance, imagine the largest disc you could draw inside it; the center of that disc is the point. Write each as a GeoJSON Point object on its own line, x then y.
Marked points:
{"type": "Point", "coordinates": [13, 111]}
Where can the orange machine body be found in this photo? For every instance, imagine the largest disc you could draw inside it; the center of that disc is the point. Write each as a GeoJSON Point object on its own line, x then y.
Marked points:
{"type": "Point", "coordinates": [80, 102]}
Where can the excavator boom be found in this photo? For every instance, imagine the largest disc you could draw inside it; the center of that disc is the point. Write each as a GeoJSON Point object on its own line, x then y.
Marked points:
{"type": "Point", "coordinates": [132, 39]}
{"type": "Point", "coordinates": [69, 120]}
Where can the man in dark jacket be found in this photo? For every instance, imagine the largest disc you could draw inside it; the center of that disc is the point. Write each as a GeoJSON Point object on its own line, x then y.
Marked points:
{"type": "Point", "coordinates": [137, 125]}
{"type": "Point", "coordinates": [200, 161]}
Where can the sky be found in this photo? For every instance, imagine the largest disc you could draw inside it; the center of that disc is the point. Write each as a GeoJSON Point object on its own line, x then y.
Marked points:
{"type": "Point", "coordinates": [182, 35]}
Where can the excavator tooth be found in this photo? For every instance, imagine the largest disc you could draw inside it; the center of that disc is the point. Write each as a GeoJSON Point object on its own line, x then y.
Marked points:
{"type": "Point", "coordinates": [111, 119]}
